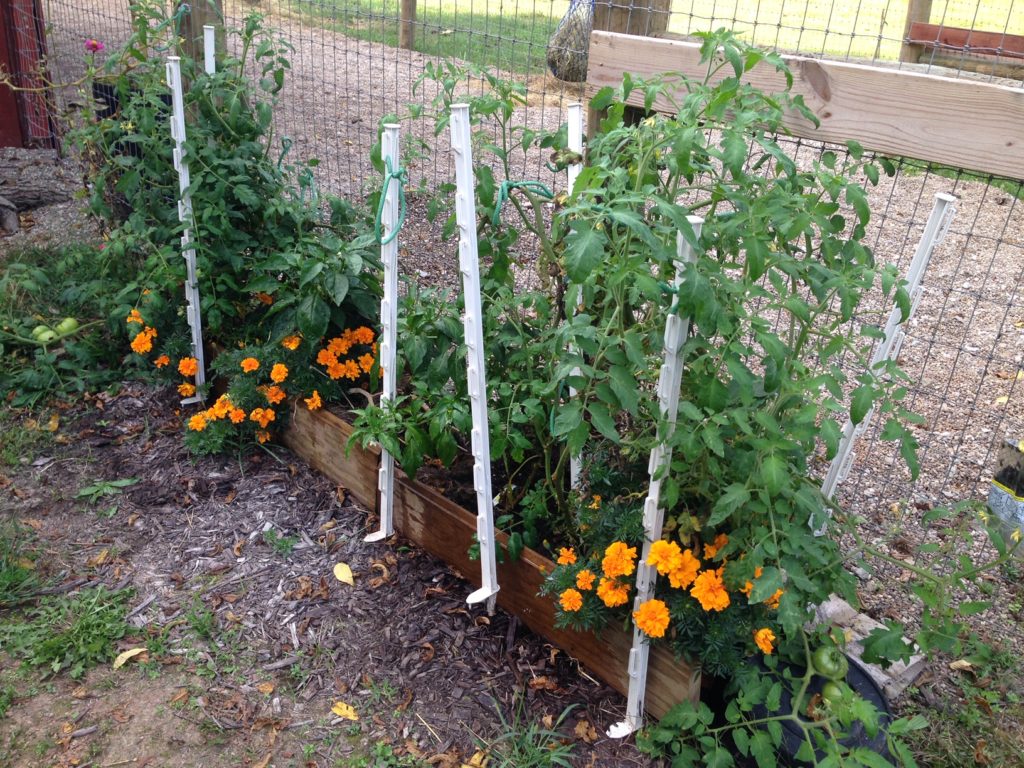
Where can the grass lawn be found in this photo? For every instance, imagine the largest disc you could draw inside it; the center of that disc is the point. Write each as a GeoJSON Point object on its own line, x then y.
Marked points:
{"type": "Point", "coordinates": [513, 35]}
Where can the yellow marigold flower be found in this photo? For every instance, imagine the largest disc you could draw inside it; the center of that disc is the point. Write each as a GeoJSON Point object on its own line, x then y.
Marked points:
{"type": "Point", "coordinates": [710, 550]}
{"type": "Point", "coordinates": [773, 601]}
{"type": "Point", "coordinates": [162, 361]}
{"type": "Point", "coordinates": [197, 423]}
{"type": "Point", "coordinates": [188, 366]}
{"type": "Point", "coordinates": [585, 580]}
{"type": "Point", "coordinates": [237, 415]}
{"type": "Point", "coordinates": [683, 576]}
{"type": "Point", "coordinates": [291, 342]}
{"type": "Point", "coordinates": [186, 389]}
{"type": "Point", "coordinates": [262, 436]}
{"type": "Point", "coordinates": [313, 401]}
{"type": "Point", "coordinates": [764, 638]}
{"type": "Point", "coordinates": [566, 556]}
{"type": "Point", "coordinates": [595, 502]}
{"type": "Point", "coordinates": [275, 394]}
{"type": "Point", "coordinates": [652, 618]}
{"type": "Point", "coordinates": [709, 589]}
{"type": "Point", "coordinates": [278, 373]}
{"type": "Point", "coordinates": [363, 335]}
{"type": "Point", "coordinates": [366, 363]}
{"type": "Point", "coordinates": [135, 317]}
{"type": "Point", "coordinates": [612, 593]}
{"type": "Point", "coordinates": [749, 586]}
{"type": "Point", "coordinates": [250, 364]}
{"type": "Point", "coordinates": [571, 600]}
{"type": "Point", "coordinates": [618, 560]}
{"type": "Point", "coordinates": [665, 556]}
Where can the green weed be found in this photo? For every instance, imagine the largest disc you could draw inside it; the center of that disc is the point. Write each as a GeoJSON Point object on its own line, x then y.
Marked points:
{"type": "Point", "coordinates": [281, 544]}
{"type": "Point", "coordinates": [103, 488]}
{"type": "Point", "coordinates": [18, 578]}
{"type": "Point", "coordinates": [523, 743]}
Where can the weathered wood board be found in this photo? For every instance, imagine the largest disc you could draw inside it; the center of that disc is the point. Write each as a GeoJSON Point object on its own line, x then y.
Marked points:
{"type": "Point", "coordinates": [958, 122]}
{"type": "Point", "coordinates": [446, 530]}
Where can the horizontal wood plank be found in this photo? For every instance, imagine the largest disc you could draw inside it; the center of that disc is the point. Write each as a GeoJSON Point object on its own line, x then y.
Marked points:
{"type": "Point", "coordinates": [446, 530]}
{"type": "Point", "coordinates": [966, 40]}
{"type": "Point", "coordinates": [321, 439]}
{"type": "Point", "coordinates": [958, 122]}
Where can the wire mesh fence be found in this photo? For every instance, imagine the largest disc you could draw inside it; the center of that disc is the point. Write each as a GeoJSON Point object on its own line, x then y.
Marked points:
{"type": "Point", "coordinates": [964, 348]}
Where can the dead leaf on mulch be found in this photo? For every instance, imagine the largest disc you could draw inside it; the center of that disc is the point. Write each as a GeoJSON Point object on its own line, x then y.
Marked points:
{"type": "Point", "coordinates": [542, 683]}
{"type": "Point", "coordinates": [266, 688]}
{"type": "Point", "coordinates": [344, 574]}
{"type": "Point", "coordinates": [265, 761]}
{"type": "Point", "coordinates": [586, 731]}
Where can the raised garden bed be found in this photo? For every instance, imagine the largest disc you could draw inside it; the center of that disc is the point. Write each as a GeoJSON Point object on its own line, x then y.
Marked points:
{"type": "Point", "coordinates": [446, 530]}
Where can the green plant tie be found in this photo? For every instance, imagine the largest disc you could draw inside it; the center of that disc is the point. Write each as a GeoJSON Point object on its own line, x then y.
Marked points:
{"type": "Point", "coordinates": [286, 146]}
{"type": "Point", "coordinates": [505, 190]}
{"type": "Point", "coordinates": [402, 178]}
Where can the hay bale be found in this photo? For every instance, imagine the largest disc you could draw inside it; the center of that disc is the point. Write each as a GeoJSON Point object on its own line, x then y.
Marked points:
{"type": "Point", "coordinates": [569, 47]}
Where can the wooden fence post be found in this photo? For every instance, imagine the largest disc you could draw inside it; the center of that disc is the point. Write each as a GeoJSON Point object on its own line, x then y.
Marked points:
{"type": "Point", "coordinates": [201, 12]}
{"type": "Point", "coordinates": [407, 25]}
{"type": "Point", "coordinates": [917, 10]}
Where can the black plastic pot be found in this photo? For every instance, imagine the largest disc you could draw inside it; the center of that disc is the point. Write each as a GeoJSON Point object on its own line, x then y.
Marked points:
{"type": "Point", "coordinates": [863, 685]}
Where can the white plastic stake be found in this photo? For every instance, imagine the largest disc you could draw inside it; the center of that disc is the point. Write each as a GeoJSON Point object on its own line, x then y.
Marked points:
{"type": "Point", "coordinates": [934, 231]}
{"type": "Point", "coordinates": [469, 266]}
{"type": "Point", "coordinates": [209, 49]}
{"type": "Point", "coordinates": [185, 217]}
{"type": "Point", "coordinates": [576, 145]}
{"type": "Point", "coordinates": [669, 381]}
{"type": "Point", "coordinates": [389, 326]}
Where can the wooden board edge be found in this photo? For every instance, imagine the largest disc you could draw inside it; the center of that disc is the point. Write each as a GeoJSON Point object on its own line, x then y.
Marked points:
{"type": "Point", "coordinates": [894, 112]}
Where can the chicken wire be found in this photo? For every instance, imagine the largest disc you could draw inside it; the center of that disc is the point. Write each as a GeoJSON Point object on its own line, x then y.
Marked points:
{"type": "Point", "coordinates": [963, 350]}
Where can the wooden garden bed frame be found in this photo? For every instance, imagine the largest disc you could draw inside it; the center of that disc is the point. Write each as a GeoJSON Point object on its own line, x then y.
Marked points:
{"type": "Point", "coordinates": [446, 530]}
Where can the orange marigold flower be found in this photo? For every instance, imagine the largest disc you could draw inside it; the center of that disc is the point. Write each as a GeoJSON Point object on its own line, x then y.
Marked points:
{"type": "Point", "coordinates": [264, 298]}
{"type": "Point", "coordinates": [197, 423]}
{"type": "Point", "coordinates": [652, 618]}
{"type": "Point", "coordinates": [325, 358]}
{"type": "Point", "coordinates": [595, 502]}
{"type": "Point", "coordinates": [250, 364]}
{"type": "Point", "coordinates": [186, 389]}
{"type": "Point", "coordinates": [188, 366]}
{"type": "Point", "coordinates": [335, 370]}
{"type": "Point", "coordinates": [135, 317]}
{"type": "Point", "coordinates": [366, 363]}
{"type": "Point", "coordinates": [773, 601]}
{"type": "Point", "coordinates": [665, 556]}
{"type": "Point", "coordinates": [237, 415]}
{"type": "Point", "coordinates": [764, 638]}
{"type": "Point", "coordinates": [710, 550]}
{"type": "Point", "coordinates": [571, 600]}
{"type": "Point", "coordinates": [363, 335]}
{"type": "Point", "coordinates": [612, 593]}
{"type": "Point", "coordinates": [291, 342]}
{"type": "Point", "coordinates": [143, 341]}
{"type": "Point", "coordinates": [313, 401]}
{"type": "Point", "coordinates": [262, 436]}
{"type": "Point", "coordinates": [683, 576]}
{"type": "Point", "coordinates": [275, 394]}
{"type": "Point", "coordinates": [162, 361]}
{"type": "Point", "coordinates": [262, 416]}
{"type": "Point", "coordinates": [618, 560]}
{"type": "Point", "coordinates": [351, 369]}
{"type": "Point", "coordinates": [747, 588]}
{"type": "Point", "coordinates": [339, 346]}
{"type": "Point", "coordinates": [278, 373]}
{"type": "Point", "coordinates": [709, 589]}
{"type": "Point", "coordinates": [221, 408]}
{"type": "Point", "coordinates": [585, 580]}
{"type": "Point", "coordinates": [566, 556]}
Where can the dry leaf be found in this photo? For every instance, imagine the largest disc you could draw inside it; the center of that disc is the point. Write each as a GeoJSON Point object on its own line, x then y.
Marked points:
{"type": "Point", "coordinates": [32, 523]}
{"type": "Point", "coordinates": [344, 574]}
{"type": "Point", "coordinates": [549, 721]}
{"type": "Point", "coordinates": [25, 563]}
{"type": "Point", "coordinates": [237, 549]}
{"type": "Point", "coordinates": [98, 559]}
{"type": "Point", "coordinates": [478, 760]}
{"type": "Point", "coordinates": [962, 665]}
{"type": "Point", "coordinates": [132, 518]}
{"type": "Point", "coordinates": [230, 496]}
{"type": "Point", "coordinates": [266, 688]}
{"type": "Point", "coordinates": [979, 753]}
{"type": "Point", "coordinates": [328, 525]}
{"type": "Point", "coordinates": [1002, 400]}
{"type": "Point", "coordinates": [53, 424]}
{"type": "Point", "coordinates": [341, 709]}
{"type": "Point", "coordinates": [80, 692]}
{"type": "Point", "coordinates": [542, 682]}
{"type": "Point", "coordinates": [427, 654]}
{"type": "Point", "coordinates": [180, 696]}
{"type": "Point", "coordinates": [131, 653]}
{"type": "Point", "coordinates": [265, 761]}
{"type": "Point", "coordinates": [120, 715]}
{"type": "Point", "coordinates": [586, 731]}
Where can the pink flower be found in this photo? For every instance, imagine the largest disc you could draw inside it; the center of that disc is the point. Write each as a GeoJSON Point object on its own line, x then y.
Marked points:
{"type": "Point", "coordinates": [94, 46]}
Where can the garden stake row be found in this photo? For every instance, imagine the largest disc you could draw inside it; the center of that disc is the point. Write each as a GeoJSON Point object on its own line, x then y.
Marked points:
{"type": "Point", "coordinates": [188, 250]}
{"type": "Point", "coordinates": [389, 226]}
{"type": "Point", "coordinates": [670, 380]}
{"type": "Point", "coordinates": [889, 348]}
{"type": "Point", "coordinates": [469, 266]}
{"type": "Point", "coordinates": [575, 142]}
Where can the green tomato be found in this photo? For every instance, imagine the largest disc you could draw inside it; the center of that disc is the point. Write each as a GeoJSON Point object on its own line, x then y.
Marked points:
{"type": "Point", "coordinates": [66, 326]}
{"type": "Point", "coordinates": [830, 662]}
{"type": "Point", "coordinates": [833, 691]}
{"type": "Point", "coordinates": [46, 336]}
{"type": "Point", "coordinates": [39, 330]}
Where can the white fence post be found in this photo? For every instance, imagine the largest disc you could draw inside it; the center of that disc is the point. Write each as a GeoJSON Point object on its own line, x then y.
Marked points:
{"type": "Point", "coordinates": [209, 49]}
{"type": "Point", "coordinates": [194, 313]}
{"type": "Point", "coordinates": [935, 229]}
{"type": "Point", "coordinates": [669, 381]}
{"type": "Point", "coordinates": [388, 320]}
{"type": "Point", "coordinates": [575, 143]}
{"type": "Point", "coordinates": [469, 266]}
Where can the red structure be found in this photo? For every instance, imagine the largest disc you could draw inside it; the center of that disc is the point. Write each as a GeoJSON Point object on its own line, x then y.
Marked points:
{"type": "Point", "coordinates": [25, 117]}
